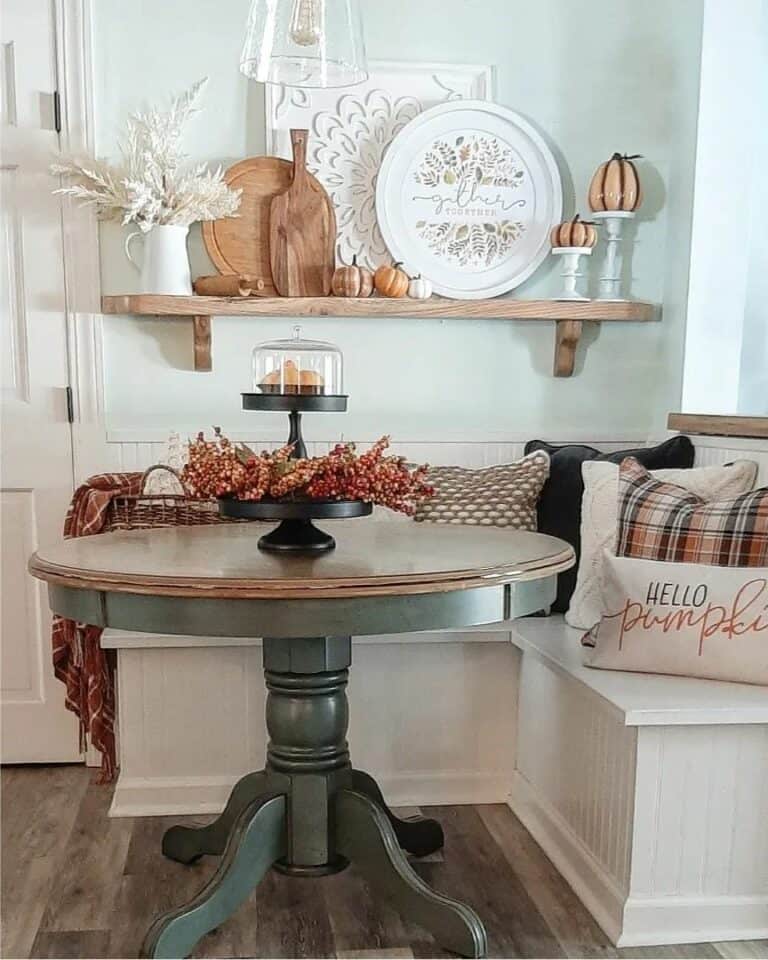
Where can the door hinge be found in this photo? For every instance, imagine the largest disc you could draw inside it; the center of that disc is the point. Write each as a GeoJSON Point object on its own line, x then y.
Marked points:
{"type": "Point", "coordinates": [56, 111]}
{"type": "Point", "coordinates": [70, 405]}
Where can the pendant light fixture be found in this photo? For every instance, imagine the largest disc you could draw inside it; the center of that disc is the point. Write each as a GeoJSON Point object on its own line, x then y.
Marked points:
{"type": "Point", "coordinates": [305, 43]}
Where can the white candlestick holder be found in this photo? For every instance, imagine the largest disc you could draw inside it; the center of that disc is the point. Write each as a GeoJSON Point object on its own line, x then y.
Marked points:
{"type": "Point", "coordinates": [609, 285]}
{"type": "Point", "coordinates": [570, 271]}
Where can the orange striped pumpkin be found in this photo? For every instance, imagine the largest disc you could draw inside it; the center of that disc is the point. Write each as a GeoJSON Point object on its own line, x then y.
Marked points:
{"type": "Point", "coordinates": [616, 185]}
{"type": "Point", "coordinates": [573, 233]}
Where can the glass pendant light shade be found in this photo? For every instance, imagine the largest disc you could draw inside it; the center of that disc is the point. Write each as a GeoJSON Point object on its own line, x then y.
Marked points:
{"type": "Point", "coordinates": [305, 43]}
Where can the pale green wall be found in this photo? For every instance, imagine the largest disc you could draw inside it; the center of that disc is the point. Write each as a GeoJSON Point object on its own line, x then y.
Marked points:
{"type": "Point", "coordinates": [594, 75]}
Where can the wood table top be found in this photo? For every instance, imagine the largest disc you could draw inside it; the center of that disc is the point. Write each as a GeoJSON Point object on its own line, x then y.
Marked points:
{"type": "Point", "coordinates": [372, 558]}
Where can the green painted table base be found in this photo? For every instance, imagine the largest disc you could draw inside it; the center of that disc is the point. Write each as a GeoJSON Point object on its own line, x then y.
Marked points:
{"type": "Point", "coordinates": [308, 813]}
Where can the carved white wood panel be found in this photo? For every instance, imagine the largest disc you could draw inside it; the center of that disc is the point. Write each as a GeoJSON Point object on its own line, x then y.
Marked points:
{"type": "Point", "coordinates": [351, 130]}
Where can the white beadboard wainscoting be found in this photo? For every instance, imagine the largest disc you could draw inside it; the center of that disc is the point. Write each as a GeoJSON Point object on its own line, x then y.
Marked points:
{"type": "Point", "coordinates": [713, 450]}
{"type": "Point", "coordinates": [137, 449]}
{"type": "Point", "coordinates": [650, 794]}
{"type": "Point", "coordinates": [431, 717]}
{"type": "Point", "coordinates": [131, 449]}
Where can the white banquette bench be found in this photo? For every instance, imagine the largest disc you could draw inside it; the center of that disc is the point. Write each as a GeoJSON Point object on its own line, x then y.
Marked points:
{"type": "Point", "coordinates": [649, 793]}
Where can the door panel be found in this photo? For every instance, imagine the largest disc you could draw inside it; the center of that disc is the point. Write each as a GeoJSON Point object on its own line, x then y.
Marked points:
{"type": "Point", "coordinates": [36, 465]}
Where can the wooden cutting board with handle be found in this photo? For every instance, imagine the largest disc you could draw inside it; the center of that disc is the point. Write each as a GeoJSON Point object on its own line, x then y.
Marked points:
{"type": "Point", "coordinates": [302, 231]}
{"type": "Point", "coordinates": [240, 245]}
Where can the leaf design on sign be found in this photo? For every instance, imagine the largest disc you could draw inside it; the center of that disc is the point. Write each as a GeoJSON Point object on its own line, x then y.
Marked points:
{"type": "Point", "coordinates": [471, 245]}
{"type": "Point", "coordinates": [482, 159]}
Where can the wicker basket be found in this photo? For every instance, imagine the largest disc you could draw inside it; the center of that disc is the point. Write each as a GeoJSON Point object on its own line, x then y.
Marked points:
{"type": "Point", "coordinates": [147, 510]}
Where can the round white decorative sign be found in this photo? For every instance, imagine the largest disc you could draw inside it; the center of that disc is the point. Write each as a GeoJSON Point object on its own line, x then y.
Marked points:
{"type": "Point", "coordinates": [466, 195]}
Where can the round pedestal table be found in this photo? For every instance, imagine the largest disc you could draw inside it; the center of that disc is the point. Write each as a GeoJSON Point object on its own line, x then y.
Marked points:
{"type": "Point", "coordinates": [309, 812]}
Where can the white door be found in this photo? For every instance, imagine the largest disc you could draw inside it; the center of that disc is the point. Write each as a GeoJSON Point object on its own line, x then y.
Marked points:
{"type": "Point", "coordinates": [36, 467]}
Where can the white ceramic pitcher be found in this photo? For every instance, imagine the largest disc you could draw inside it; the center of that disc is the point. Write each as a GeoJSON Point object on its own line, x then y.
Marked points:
{"type": "Point", "coordinates": [165, 266]}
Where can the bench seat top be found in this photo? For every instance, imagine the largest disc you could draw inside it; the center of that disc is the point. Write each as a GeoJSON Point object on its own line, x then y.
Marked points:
{"type": "Point", "coordinates": [644, 699]}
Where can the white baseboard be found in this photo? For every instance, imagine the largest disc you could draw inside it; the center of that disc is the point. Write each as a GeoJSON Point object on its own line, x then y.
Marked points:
{"type": "Point", "coordinates": [593, 885]}
{"type": "Point", "coordinates": [202, 796]}
{"type": "Point", "coordinates": [661, 920]}
{"type": "Point", "coordinates": [634, 921]}
{"type": "Point", "coordinates": [170, 796]}
{"type": "Point", "coordinates": [446, 787]}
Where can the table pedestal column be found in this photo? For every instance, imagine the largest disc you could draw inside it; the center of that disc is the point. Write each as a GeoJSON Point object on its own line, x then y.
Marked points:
{"type": "Point", "coordinates": [308, 813]}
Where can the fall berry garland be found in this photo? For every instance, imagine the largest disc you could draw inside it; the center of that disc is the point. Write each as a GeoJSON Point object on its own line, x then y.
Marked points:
{"type": "Point", "coordinates": [220, 468]}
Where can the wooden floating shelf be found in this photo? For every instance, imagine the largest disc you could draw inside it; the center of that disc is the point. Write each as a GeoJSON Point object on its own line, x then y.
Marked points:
{"type": "Point", "coordinates": [568, 315]}
{"type": "Point", "coordinates": [751, 428]}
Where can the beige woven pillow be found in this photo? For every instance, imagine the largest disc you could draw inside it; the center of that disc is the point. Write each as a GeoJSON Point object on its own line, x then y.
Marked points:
{"type": "Point", "coordinates": [500, 496]}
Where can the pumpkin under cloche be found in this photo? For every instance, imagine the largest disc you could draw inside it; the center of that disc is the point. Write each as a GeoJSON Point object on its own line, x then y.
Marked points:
{"type": "Point", "coordinates": [573, 233]}
{"type": "Point", "coordinates": [311, 367]}
{"type": "Point", "coordinates": [615, 185]}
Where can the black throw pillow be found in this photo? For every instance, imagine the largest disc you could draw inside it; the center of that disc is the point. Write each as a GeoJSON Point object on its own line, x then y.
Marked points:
{"type": "Point", "coordinates": [559, 507]}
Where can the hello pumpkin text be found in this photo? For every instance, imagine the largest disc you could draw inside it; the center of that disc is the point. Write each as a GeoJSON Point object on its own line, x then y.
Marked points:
{"type": "Point", "coordinates": [690, 609]}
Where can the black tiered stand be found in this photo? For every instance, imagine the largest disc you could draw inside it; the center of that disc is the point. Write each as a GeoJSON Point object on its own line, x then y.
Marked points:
{"type": "Point", "coordinates": [296, 533]}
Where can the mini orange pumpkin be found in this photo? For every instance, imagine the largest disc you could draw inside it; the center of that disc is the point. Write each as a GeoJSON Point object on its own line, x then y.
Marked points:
{"type": "Point", "coordinates": [616, 185]}
{"type": "Point", "coordinates": [352, 281]}
{"type": "Point", "coordinates": [391, 281]}
{"type": "Point", "coordinates": [573, 233]}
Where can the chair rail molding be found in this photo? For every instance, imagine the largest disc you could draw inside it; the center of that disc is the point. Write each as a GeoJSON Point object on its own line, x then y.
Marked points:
{"type": "Point", "coordinates": [81, 241]}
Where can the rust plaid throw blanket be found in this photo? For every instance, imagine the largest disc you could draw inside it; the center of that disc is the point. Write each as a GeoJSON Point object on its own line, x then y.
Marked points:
{"type": "Point", "coordinates": [78, 660]}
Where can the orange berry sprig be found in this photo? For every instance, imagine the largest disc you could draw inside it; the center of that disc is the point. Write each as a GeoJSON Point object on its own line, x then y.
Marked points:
{"type": "Point", "coordinates": [219, 468]}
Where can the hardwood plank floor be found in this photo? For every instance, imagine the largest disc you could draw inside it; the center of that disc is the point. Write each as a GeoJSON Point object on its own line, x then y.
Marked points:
{"type": "Point", "coordinates": [77, 884]}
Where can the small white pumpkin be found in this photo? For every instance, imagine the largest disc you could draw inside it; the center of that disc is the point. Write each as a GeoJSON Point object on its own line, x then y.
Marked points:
{"type": "Point", "coordinates": [419, 288]}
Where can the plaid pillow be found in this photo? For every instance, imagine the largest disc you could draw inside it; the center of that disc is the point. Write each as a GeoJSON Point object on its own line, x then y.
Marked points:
{"type": "Point", "coordinates": [661, 521]}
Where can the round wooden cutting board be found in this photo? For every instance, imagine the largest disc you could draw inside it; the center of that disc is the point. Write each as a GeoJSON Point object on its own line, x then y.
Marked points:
{"type": "Point", "coordinates": [241, 244]}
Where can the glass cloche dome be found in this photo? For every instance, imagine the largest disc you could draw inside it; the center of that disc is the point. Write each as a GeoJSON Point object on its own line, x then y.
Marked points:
{"type": "Point", "coordinates": [311, 367]}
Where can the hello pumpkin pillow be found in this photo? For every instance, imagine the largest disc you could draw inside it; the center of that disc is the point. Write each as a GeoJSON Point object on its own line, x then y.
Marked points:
{"type": "Point", "coordinates": [687, 619]}
{"type": "Point", "coordinates": [687, 592]}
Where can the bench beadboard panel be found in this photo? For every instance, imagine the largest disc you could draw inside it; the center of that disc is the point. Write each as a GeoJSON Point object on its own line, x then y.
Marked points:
{"type": "Point", "coordinates": [703, 798]}
{"type": "Point", "coordinates": [661, 829]}
{"type": "Point", "coordinates": [433, 719]}
{"type": "Point", "coordinates": [575, 753]}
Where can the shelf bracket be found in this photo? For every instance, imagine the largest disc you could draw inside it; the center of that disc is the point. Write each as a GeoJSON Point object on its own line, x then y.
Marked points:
{"type": "Point", "coordinates": [202, 343]}
{"type": "Point", "coordinates": [566, 340]}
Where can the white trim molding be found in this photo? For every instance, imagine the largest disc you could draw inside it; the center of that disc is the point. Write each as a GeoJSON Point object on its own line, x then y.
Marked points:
{"type": "Point", "coordinates": [81, 242]}
{"type": "Point", "coordinates": [730, 119]}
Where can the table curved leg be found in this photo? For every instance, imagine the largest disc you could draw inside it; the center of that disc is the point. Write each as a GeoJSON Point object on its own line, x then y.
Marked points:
{"type": "Point", "coordinates": [418, 835]}
{"type": "Point", "coordinates": [187, 844]}
{"type": "Point", "coordinates": [257, 840]}
{"type": "Point", "coordinates": [365, 836]}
